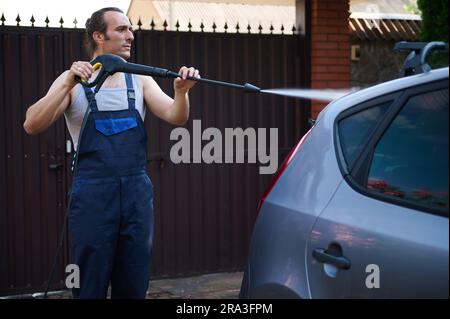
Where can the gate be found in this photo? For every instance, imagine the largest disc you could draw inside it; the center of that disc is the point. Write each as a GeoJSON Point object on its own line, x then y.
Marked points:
{"type": "Point", "coordinates": [204, 212]}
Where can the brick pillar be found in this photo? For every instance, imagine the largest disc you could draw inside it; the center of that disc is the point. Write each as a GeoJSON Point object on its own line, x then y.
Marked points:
{"type": "Point", "coordinates": [330, 47]}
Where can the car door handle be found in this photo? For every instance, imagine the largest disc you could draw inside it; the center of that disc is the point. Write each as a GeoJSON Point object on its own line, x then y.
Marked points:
{"type": "Point", "coordinates": [323, 256]}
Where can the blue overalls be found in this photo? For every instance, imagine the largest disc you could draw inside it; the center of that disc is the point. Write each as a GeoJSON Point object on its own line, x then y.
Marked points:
{"type": "Point", "coordinates": [111, 213]}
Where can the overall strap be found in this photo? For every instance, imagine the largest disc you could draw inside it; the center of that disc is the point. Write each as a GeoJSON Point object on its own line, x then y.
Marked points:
{"type": "Point", "coordinates": [92, 107]}
{"type": "Point", "coordinates": [130, 91]}
{"type": "Point", "coordinates": [91, 98]}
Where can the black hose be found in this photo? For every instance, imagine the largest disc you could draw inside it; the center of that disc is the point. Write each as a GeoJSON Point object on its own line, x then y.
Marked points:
{"type": "Point", "coordinates": [66, 216]}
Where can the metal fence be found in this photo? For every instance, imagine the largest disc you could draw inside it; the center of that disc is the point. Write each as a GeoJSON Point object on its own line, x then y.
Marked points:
{"type": "Point", "coordinates": [204, 212]}
{"type": "Point", "coordinates": [164, 26]}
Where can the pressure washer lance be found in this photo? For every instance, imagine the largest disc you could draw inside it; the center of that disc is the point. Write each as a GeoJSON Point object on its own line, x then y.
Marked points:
{"type": "Point", "coordinates": [110, 64]}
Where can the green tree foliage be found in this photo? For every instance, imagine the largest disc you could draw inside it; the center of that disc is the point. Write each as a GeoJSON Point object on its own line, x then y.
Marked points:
{"type": "Point", "coordinates": [435, 27]}
{"type": "Point", "coordinates": [412, 7]}
{"type": "Point", "coordinates": [434, 20]}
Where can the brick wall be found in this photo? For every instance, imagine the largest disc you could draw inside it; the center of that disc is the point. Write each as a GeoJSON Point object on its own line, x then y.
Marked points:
{"type": "Point", "coordinates": [330, 47]}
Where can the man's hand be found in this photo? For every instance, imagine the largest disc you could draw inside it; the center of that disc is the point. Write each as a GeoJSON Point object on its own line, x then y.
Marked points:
{"type": "Point", "coordinates": [181, 85]}
{"type": "Point", "coordinates": [80, 68]}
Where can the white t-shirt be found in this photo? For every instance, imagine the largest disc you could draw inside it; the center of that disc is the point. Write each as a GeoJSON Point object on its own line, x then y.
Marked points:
{"type": "Point", "coordinates": [108, 99]}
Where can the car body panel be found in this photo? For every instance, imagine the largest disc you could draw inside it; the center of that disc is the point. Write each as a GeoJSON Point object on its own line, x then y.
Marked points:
{"type": "Point", "coordinates": [288, 227]}
{"type": "Point", "coordinates": [310, 193]}
{"type": "Point", "coordinates": [410, 249]}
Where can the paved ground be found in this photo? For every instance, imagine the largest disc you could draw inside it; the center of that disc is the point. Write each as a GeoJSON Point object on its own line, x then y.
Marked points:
{"type": "Point", "coordinates": [211, 286]}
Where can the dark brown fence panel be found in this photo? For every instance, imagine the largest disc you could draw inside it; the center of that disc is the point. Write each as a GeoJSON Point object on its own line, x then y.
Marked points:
{"type": "Point", "coordinates": [204, 212]}
{"type": "Point", "coordinates": [32, 176]}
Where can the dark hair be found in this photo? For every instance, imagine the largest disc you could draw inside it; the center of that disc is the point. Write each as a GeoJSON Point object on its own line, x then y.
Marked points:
{"type": "Point", "coordinates": [96, 23]}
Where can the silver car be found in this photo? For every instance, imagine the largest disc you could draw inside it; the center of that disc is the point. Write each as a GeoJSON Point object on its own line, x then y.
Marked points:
{"type": "Point", "coordinates": [360, 207]}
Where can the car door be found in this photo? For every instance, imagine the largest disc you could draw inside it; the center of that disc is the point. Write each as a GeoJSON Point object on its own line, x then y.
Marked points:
{"type": "Point", "coordinates": [385, 232]}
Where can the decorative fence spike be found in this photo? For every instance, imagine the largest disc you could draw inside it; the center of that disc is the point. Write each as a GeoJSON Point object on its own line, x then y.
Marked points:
{"type": "Point", "coordinates": [166, 25]}
{"type": "Point", "coordinates": [152, 25]}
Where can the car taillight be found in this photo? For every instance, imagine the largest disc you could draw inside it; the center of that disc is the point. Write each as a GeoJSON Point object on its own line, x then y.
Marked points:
{"type": "Point", "coordinates": [282, 168]}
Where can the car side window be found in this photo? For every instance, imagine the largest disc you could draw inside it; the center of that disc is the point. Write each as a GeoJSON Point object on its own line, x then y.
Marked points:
{"type": "Point", "coordinates": [355, 130]}
{"type": "Point", "coordinates": [410, 160]}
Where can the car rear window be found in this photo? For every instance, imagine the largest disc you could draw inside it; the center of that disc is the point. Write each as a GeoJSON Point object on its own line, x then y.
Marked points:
{"type": "Point", "coordinates": [410, 160]}
{"type": "Point", "coordinates": [355, 130]}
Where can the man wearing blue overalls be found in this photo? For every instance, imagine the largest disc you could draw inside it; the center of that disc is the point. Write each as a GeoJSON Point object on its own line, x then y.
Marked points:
{"type": "Point", "coordinates": [111, 211]}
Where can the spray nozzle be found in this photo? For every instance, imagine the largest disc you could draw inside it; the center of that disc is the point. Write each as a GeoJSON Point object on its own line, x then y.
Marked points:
{"type": "Point", "coordinates": [250, 88]}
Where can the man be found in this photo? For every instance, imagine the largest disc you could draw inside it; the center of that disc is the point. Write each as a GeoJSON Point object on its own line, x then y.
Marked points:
{"type": "Point", "coordinates": [111, 210]}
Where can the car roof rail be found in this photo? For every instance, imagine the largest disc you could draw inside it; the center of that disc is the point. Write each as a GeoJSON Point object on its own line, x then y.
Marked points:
{"type": "Point", "coordinates": [418, 51]}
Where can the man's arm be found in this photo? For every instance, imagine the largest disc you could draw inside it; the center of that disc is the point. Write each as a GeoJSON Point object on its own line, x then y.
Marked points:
{"type": "Point", "coordinates": [174, 111]}
{"type": "Point", "coordinates": [48, 109]}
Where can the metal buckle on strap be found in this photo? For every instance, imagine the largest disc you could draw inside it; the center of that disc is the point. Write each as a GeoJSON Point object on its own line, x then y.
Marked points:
{"type": "Point", "coordinates": [131, 94]}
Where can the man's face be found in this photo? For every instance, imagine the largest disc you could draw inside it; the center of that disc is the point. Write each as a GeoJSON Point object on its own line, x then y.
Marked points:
{"type": "Point", "coordinates": [119, 35]}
